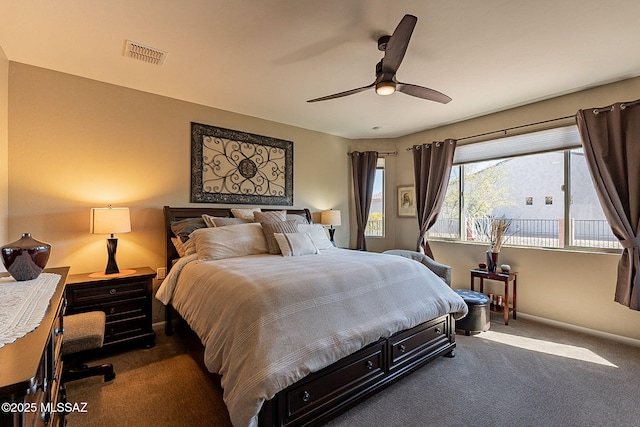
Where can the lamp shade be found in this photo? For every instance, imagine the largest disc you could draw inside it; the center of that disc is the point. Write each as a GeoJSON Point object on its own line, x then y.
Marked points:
{"type": "Point", "coordinates": [331, 217]}
{"type": "Point", "coordinates": [110, 220]}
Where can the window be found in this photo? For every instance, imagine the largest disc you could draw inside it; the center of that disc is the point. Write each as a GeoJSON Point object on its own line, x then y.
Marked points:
{"type": "Point", "coordinates": [524, 179]}
{"type": "Point", "coordinates": [375, 222]}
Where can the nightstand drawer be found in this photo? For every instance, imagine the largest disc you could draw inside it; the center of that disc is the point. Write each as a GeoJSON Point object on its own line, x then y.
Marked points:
{"type": "Point", "coordinates": [114, 291]}
{"type": "Point", "coordinates": [117, 331]}
{"type": "Point", "coordinates": [119, 310]}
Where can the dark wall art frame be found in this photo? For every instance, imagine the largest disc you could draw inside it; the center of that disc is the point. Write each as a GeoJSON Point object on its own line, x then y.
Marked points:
{"type": "Point", "coordinates": [229, 166]}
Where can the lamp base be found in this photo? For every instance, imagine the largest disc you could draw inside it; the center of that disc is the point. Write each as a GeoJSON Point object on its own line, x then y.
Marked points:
{"type": "Point", "coordinates": [112, 267]}
{"type": "Point", "coordinates": [332, 231]}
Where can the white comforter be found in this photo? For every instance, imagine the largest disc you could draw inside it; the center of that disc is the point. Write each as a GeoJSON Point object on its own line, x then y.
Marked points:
{"type": "Point", "coordinates": [266, 321]}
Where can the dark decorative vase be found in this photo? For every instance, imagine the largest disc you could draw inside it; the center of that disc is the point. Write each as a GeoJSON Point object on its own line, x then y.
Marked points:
{"type": "Point", "coordinates": [492, 261]}
{"type": "Point", "coordinates": [25, 259]}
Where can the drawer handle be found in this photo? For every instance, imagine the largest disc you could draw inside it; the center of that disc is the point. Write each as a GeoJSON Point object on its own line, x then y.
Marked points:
{"type": "Point", "coordinates": [402, 348]}
{"type": "Point", "coordinates": [305, 396]}
{"type": "Point", "coordinates": [112, 291]}
{"type": "Point", "coordinates": [438, 331]}
{"type": "Point", "coordinates": [58, 331]}
{"type": "Point", "coordinates": [112, 310]}
{"type": "Point", "coordinates": [369, 364]}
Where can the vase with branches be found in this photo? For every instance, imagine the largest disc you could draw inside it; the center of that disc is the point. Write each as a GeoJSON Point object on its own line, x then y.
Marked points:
{"type": "Point", "coordinates": [496, 231]}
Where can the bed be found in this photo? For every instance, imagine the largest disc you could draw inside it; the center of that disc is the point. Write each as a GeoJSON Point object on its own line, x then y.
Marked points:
{"type": "Point", "coordinates": [299, 339]}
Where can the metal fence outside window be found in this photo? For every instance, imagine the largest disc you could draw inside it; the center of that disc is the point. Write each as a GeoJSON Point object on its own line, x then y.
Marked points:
{"type": "Point", "coordinates": [534, 232]}
{"type": "Point", "coordinates": [374, 228]}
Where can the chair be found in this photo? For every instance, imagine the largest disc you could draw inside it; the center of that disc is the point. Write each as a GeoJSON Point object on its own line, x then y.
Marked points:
{"type": "Point", "coordinates": [83, 332]}
{"type": "Point", "coordinates": [441, 270]}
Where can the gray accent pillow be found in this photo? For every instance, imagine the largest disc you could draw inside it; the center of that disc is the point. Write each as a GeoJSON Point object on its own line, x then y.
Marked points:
{"type": "Point", "coordinates": [269, 228]}
{"type": "Point", "coordinates": [184, 227]}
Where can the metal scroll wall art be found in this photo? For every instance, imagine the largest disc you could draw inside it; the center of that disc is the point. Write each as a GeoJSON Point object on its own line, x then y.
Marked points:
{"type": "Point", "coordinates": [229, 166]}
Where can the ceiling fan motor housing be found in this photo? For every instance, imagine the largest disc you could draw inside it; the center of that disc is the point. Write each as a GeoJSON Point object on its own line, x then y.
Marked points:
{"type": "Point", "coordinates": [382, 43]}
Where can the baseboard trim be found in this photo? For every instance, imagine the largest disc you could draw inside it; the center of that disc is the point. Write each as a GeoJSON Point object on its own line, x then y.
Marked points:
{"type": "Point", "coordinates": [618, 338]}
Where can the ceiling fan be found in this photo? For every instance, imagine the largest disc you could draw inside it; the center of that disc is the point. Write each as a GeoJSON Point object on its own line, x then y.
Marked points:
{"type": "Point", "coordinates": [394, 48]}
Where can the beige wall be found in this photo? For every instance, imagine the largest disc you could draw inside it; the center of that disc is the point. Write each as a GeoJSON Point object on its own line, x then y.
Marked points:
{"type": "Point", "coordinates": [569, 287]}
{"type": "Point", "coordinates": [76, 143]}
{"type": "Point", "coordinates": [4, 150]}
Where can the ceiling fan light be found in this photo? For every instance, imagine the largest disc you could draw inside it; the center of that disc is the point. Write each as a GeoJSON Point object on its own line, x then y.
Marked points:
{"type": "Point", "coordinates": [385, 88]}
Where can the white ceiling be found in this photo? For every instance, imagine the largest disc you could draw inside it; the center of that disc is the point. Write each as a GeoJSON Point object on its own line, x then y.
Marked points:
{"type": "Point", "coordinates": [265, 58]}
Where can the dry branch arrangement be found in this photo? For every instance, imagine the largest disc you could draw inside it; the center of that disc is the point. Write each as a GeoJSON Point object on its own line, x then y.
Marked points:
{"type": "Point", "coordinates": [497, 233]}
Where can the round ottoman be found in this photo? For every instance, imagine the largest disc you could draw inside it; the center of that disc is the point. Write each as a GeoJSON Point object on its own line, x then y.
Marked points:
{"type": "Point", "coordinates": [478, 319]}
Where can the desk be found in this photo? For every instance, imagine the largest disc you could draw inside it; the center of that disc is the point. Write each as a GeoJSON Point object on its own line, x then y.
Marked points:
{"type": "Point", "coordinates": [31, 368]}
{"type": "Point", "coordinates": [506, 279]}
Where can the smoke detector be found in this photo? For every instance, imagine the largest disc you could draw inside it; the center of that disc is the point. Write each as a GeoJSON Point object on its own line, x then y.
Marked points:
{"type": "Point", "coordinates": [144, 53]}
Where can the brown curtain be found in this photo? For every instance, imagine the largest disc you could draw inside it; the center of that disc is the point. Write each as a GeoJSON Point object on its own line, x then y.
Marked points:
{"type": "Point", "coordinates": [364, 173]}
{"type": "Point", "coordinates": [611, 141]}
{"type": "Point", "coordinates": [432, 166]}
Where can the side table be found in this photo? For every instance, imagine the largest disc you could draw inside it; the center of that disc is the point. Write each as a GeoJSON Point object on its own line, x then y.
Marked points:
{"type": "Point", "coordinates": [125, 299]}
{"type": "Point", "coordinates": [511, 277]}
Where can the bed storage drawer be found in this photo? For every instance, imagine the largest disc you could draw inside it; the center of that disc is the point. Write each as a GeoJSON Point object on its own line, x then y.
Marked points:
{"type": "Point", "coordinates": [323, 388]}
{"type": "Point", "coordinates": [409, 346]}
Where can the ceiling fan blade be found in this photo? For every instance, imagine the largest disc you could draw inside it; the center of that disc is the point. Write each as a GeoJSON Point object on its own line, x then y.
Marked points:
{"type": "Point", "coordinates": [422, 92]}
{"type": "Point", "coordinates": [397, 45]}
{"type": "Point", "coordinates": [341, 94]}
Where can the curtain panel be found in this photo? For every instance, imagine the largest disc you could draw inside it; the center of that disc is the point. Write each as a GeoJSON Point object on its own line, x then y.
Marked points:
{"type": "Point", "coordinates": [611, 141]}
{"type": "Point", "coordinates": [432, 167]}
{"type": "Point", "coordinates": [363, 165]}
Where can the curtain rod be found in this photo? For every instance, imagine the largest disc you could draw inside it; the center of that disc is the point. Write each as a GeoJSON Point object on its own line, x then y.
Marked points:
{"type": "Point", "coordinates": [380, 153]}
{"type": "Point", "coordinates": [505, 130]}
{"type": "Point", "coordinates": [518, 127]}
{"type": "Point", "coordinates": [623, 105]}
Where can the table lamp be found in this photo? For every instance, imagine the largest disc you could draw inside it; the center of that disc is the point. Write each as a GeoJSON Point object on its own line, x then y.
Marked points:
{"type": "Point", "coordinates": [110, 220]}
{"type": "Point", "coordinates": [330, 218]}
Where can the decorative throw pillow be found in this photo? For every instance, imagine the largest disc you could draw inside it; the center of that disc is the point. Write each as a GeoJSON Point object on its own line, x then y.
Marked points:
{"type": "Point", "coordinates": [177, 243]}
{"type": "Point", "coordinates": [299, 219]}
{"type": "Point", "coordinates": [208, 219]}
{"type": "Point", "coordinates": [184, 227]}
{"type": "Point", "coordinates": [270, 216]}
{"type": "Point", "coordinates": [229, 242]}
{"type": "Point", "coordinates": [221, 221]}
{"type": "Point", "coordinates": [245, 213]}
{"type": "Point", "coordinates": [318, 235]}
{"type": "Point", "coordinates": [269, 228]}
{"type": "Point", "coordinates": [295, 244]}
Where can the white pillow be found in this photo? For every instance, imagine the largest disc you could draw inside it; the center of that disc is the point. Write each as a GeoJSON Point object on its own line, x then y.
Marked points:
{"type": "Point", "coordinates": [318, 235]}
{"type": "Point", "coordinates": [295, 244]}
{"type": "Point", "coordinates": [230, 241]}
{"type": "Point", "coordinates": [245, 213]}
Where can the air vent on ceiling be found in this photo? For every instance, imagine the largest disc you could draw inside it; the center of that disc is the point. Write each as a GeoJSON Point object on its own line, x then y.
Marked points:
{"type": "Point", "coordinates": [144, 53]}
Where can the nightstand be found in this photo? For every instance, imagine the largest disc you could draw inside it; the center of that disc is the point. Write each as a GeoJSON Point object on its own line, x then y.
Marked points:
{"type": "Point", "coordinates": [125, 299]}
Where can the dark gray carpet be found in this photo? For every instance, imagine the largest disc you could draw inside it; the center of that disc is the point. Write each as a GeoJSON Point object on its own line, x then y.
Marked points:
{"type": "Point", "coordinates": [524, 374]}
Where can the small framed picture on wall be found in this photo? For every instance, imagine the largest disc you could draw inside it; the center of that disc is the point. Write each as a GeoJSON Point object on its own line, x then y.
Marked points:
{"type": "Point", "coordinates": [406, 201]}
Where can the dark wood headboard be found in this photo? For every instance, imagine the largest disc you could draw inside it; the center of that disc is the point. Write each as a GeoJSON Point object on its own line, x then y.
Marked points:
{"type": "Point", "coordinates": [175, 214]}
